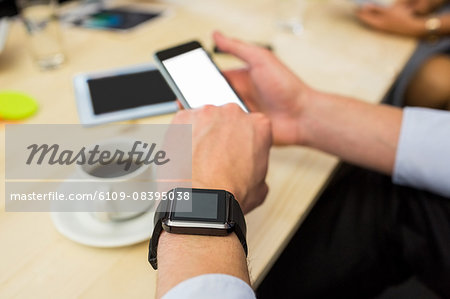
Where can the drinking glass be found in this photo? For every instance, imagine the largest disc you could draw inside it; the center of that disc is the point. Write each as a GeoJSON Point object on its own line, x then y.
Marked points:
{"type": "Point", "coordinates": [44, 32]}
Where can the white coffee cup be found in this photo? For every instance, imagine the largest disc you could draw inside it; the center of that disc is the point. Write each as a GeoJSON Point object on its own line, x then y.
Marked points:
{"type": "Point", "coordinates": [115, 186]}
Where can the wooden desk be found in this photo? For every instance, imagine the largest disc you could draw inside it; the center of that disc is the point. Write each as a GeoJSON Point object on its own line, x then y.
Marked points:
{"type": "Point", "coordinates": [335, 53]}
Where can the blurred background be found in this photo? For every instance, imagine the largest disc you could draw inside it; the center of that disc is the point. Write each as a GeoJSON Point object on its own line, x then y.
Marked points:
{"type": "Point", "coordinates": [90, 62]}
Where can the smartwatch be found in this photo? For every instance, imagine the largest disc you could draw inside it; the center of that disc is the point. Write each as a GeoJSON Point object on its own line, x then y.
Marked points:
{"type": "Point", "coordinates": [197, 212]}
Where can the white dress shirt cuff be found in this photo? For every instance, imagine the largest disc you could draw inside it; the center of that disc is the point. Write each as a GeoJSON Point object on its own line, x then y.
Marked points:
{"type": "Point", "coordinates": [423, 153]}
{"type": "Point", "coordinates": [217, 286]}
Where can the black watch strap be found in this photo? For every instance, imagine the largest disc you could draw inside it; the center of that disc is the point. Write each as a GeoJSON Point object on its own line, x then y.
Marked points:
{"type": "Point", "coordinates": [236, 217]}
{"type": "Point", "coordinates": [160, 214]}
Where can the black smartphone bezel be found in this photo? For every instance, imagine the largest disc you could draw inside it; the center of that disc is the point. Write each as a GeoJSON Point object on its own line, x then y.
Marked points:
{"type": "Point", "coordinates": [178, 50]}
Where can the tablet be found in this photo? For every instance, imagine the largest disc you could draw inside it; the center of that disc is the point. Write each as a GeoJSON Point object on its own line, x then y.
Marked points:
{"type": "Point", "coordinates": [122, 94]}
{"type": "Point", "coordinates": [120, 19]}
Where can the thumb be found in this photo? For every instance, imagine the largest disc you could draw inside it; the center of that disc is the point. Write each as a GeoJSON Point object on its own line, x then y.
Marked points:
{"type": "Point", "coordinates": [373, 8]}
{"type": "Point", "coordinates": [247, 52]}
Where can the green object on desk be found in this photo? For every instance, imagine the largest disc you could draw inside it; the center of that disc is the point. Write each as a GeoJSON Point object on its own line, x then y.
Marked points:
{"type": "Point", "coordinates": [16, 105]}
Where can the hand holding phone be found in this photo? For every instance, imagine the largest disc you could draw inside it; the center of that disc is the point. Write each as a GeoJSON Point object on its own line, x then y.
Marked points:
{"type": "Point", "coordinates": [195, 78]}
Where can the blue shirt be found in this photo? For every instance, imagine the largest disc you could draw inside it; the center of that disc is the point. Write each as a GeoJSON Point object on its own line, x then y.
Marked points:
{"type": "Point", "coordinates": [422, 161]}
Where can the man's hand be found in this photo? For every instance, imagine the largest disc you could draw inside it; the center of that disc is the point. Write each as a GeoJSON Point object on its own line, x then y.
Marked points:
{"type": "Point", "coordinates": [230, 151]}
{"type": "Point", "coordinates": [398, 19]}
{"type": "Point", "coordinates": [355, 131]}
{"type": "Point", "coordinates": [268, 86]}
{"type": "Point", "coordinates": [422, 7]}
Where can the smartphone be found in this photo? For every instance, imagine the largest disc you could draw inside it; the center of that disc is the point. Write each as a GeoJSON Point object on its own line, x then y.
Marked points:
{"type": "Point", "coordinates": [194, 77]}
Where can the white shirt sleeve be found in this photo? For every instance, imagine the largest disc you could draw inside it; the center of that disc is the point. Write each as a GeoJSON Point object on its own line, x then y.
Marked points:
{"type": "Point", "coordinates": [217, 286]}
{"type": "Point", "coordinates": [423, 153]}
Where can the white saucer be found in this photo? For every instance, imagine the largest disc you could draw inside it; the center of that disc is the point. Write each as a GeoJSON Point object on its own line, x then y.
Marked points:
{"type": "Point", "coordinates": [84, 228]}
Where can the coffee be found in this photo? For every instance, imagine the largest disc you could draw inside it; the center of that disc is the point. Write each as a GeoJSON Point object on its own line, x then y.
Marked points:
{"type": "Point", "coordinates": [113, 170]}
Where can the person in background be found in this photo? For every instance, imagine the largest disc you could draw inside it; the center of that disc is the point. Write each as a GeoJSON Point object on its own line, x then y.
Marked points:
{"type": "Point", "coordinates": [359, 238]}
{"type": "Point", "coordinates": [424, 80]}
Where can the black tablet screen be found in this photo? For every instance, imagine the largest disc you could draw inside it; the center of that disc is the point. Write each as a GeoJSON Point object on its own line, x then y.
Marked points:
{"type": "Point", "coordinates": [129, 91]}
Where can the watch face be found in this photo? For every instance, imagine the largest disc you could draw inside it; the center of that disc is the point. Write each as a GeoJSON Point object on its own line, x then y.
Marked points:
{"type": "Point", "coordinates": [207, 206]}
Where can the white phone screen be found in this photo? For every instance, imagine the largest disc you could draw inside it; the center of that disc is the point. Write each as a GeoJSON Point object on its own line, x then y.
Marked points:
{"type": "Point", "coordinates": [199, 81]}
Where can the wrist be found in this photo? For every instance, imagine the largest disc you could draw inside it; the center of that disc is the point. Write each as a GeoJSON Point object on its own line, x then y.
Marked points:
{"type": "Point", "coordinates": [193, 244]}
{"type": "Point", "coordinates": [201, 254]}
{"type": "Point", "coordinates": [419, 28]}
{"type": "Point", "coordinates": [181, 257]}
{"type": "Point", "coordinates": [312, 102]}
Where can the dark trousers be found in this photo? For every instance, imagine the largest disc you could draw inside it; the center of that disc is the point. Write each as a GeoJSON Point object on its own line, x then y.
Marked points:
{"type": "Point", "coordinates": [363, 235]}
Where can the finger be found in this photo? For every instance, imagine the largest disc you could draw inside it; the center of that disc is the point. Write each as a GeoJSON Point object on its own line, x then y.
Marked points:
{"type": "Point", "coordinates": [182, 117]}
{"type": "Point", "coordinates": [235, 74]}
{"type": "Point", "coordinates": [249, 53]}
{"type": "Point", "coordinates": [402, 7]}
{"type": "Point", "coordinates": [243, 85]}
{"type": "Point", "coordinates": [179, 105]}
{"type": "Point", "coordinates": [373, 8]}
{"type": "Point", "coordinates": [370, 19]}
{"type": "Point", "coordinates": [237, 77]}
{"type": "Point", "coordinates": [204, 115]}
{"type": "Point", "coordinates": [399, 4]}
{"type": "Point", "coordinates": [265, 190]}
{"type": "Point", "coordinates": [264, 128]}
{"type": "Point", "coordinates": [233, 109]}
{"type": "Point", "coordinates": [206, 109]}
{"type": "Point", "coordinates": [255, 197]}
